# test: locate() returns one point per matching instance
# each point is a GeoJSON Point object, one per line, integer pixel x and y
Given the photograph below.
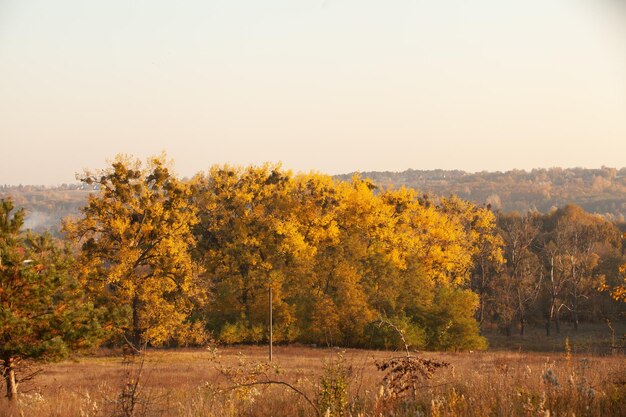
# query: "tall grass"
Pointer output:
{"type": "Point", "coordinates": [238, 382]}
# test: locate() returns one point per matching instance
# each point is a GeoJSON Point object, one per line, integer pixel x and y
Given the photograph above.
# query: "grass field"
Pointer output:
{"type": "Point", "coordinates": [238, 381]}
{"type": "Point", "coordinates": [591, 338]}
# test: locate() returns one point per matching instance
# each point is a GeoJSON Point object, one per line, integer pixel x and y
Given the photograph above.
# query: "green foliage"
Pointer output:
{"type": "Point", "coordinates": [43, 312]}
{"type": "Point", "coordinates": [239, 332]}
{"type": "Point", "coordinates": [450, 322]}
{"type": "Point", "coordinates": [384, 336]}
{"type": "Point", "coordinates": [10, 221]}
{"type": "Point", "coordinates": [333, 387]}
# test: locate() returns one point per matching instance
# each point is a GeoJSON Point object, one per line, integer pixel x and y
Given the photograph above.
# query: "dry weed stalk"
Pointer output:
{"type": "Point", "coordinates": [133, 400]}
{"type": "Point", "coordinates": [406, 374]}
{"type": "Point", "coordinates": [129, 402]}
{"type": "Point", "coordinates": [248, 375]}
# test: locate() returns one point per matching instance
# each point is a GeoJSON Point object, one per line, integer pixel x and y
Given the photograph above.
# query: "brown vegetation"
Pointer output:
{"type": "Point", "coordinates": [233, 382]}
{"type": "Point", "coordinates": [599, 191]}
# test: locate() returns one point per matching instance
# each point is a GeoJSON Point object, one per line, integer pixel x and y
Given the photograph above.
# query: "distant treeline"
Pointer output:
{"type": "Point", "coordinates": [599, 191]}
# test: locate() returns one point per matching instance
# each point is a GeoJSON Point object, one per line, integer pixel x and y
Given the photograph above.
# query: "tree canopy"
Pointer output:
{"type": "Point", "coordinates": [135, 240]}
{"type": "Point", "coordinates": [338, 255]}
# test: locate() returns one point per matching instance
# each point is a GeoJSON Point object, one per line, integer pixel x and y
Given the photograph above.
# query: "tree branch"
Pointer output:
{"type": "Point", "coordinates": [286, 384]}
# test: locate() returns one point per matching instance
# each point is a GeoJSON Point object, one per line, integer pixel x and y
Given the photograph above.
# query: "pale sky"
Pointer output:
{"type": "Point", "coordinates": [328, 85]}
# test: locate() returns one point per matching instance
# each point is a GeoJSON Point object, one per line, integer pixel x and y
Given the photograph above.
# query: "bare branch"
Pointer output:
{"type": "Point", "coordinates": [283, 383]}
{"type": "Point", "coordinates": [399, 331]}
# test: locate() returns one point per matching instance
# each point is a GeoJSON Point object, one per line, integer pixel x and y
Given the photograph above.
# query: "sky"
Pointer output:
{"type": "Point", "coordinates": [333, 86]}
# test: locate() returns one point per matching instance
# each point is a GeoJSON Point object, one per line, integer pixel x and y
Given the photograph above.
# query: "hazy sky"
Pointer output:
{"type": "Point", "coordinates": [327, 85]}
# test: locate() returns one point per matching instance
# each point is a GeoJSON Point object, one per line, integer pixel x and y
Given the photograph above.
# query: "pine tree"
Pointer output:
{"type": "Point", "coordinates": [43, 312]}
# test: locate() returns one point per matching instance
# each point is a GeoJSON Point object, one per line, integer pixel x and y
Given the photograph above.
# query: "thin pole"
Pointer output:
{"type": "Point", "coordinates": [271, 335]}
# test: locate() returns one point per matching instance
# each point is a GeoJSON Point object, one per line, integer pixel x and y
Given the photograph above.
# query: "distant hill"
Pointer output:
{"type": "Point", "coordinates": [601, 191]}
{"type": "Point", "coordinates": [46, 207]}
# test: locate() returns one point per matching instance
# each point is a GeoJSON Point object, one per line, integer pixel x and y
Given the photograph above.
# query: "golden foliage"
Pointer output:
{"type": "Point", "coordinates": [336, 254]}
{"type": "Point", "coordinates": [135, 236]}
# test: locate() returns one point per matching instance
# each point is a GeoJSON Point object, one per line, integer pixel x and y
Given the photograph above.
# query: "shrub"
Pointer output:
{"type": "Point", "coordinates": [450, 322]}
{"type": "Point", "coordinates": [387, 337]}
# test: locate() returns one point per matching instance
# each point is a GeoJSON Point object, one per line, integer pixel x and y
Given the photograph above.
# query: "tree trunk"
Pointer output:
{"type": "Point", "coordinates": [245, 293]}
{"type": "Point", "coordinates": [136, 332]}
{"type": "Point", "coordinates": [557, 322]}
{"type": "Point", "coordinates": [9, 378]}
{"type": "Point", "coordinates": [271, 324]}
{"type": "Point", "coordinates": [522, 323]}
{"type": "Point", "coordinates": [575, 300]}
{"type": "Point", "coordinates": [552, 298]}
{"type": "Point", "coordinates": [575, 309]}
{"type": "Point", "coordinates": [481, 311]}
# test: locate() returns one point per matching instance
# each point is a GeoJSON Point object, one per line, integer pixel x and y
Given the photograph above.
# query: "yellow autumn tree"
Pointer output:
{"type": "Point", "coordinates": [337, 256]}
{"type": "Point", "coordinates": [619, 292]}
{"type": "Point", "coordinates": [245, 241]}
{"type": "Point", "coordinates": [135, 238]}
{"type": "Point", "coordinates": [315, 200]}
{"type": "Point", "coordinates": [432, 250]}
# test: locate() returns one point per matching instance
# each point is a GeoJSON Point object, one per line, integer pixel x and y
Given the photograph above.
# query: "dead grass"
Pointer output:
{"type": "Point", "coordinates": [590, 338]}
{"type": "Point", "coordinates": [194, 383]}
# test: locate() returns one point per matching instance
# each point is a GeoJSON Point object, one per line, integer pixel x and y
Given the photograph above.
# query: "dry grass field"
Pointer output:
{"type": "Point", "coordinates": [238, 381]}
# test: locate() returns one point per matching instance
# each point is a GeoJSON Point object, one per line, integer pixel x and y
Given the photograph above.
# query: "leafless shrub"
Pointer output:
{"type": "Point", "coordinates": [133, 400]}
{"type": "Point", "coordinates": [406, 374]}
{"type": "Point", "coordinates": [247, 375]}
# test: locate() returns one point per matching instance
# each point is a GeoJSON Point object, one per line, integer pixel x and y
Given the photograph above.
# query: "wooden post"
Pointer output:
{"type": "Point", "coordinates": [271, 335]}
